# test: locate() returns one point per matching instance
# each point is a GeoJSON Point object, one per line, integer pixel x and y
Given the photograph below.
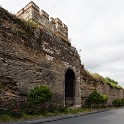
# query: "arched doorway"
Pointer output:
{"type": "Point", "coordinates": [69, 87]}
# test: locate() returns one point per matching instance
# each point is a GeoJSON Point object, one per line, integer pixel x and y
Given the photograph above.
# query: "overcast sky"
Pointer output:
{"type": "Point", "coordinates": [96, 27]}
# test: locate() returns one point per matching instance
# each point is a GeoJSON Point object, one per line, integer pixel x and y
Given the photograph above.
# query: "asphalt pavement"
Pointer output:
{"type": "Point", "coordinates": [106, 117]}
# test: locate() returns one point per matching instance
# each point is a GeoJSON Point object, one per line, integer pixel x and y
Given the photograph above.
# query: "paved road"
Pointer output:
{"type": "Point", "coordinates": [108, 117]}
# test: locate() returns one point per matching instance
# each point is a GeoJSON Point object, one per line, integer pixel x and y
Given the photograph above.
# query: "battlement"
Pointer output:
{"type": "Point", "coordinates": [28, 6]}
{"type": "Point", "coordinates": [32, 12]}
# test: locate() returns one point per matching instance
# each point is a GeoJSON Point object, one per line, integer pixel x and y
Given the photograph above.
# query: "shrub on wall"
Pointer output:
{"type": "Point", "coordinates": [38, 100]}
{"type": "Point", "coordinates": [40, 95]}
{"type": "Point", "coordinates": [104, 99]}
{"type": "Point", "coordinates": [96, 99]}
{"type": "Point", "coordinates": [118, 102]}
{"type": "Point", "coordinates": [112, 83]}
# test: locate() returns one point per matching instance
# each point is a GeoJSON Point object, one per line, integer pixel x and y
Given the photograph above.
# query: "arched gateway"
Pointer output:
{"type": "Point", "coordinates": [69, 87]}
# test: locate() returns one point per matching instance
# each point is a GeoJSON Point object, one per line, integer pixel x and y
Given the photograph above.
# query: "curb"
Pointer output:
{"type": "Point", "coordinates": [54, 118]}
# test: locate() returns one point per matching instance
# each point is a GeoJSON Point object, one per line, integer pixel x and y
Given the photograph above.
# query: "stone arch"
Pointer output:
{"type": "Point", "coordinates": [69, 87]}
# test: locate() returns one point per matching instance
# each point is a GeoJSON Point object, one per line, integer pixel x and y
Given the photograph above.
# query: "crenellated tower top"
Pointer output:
{"type": "Point", "coordinates": [32, 12]}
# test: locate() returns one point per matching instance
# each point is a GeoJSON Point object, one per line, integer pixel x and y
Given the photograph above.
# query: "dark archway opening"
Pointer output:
{"type": "Point", "coordinates": [69, 87]}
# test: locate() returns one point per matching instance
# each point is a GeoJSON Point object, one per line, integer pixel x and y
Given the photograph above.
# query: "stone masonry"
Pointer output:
{"type": "Point", "coordinates": [31, 56]}
{"type": "Point", "coordinates": [37, 51]}
{"type": "Point", "coordinates": [33, 13]}
{"type": "Point", "coordinates": [90, 84]}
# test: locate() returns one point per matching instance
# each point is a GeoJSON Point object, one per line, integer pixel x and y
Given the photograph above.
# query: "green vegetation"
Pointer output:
{"type": "Point", "coordinates": [40, 95]}
{"type": "Point", "coordinates": [118, 103]}
{"type": "Point", "coordinates": [97, 77]}
{"type": "Point", "coordinates": [106, 80]}
{"type": "Point", "coordinates": [95, 99]}
{"type": "Point", "coordinates": [112, 82]}
{"type": "Point", "coordinates": [32, 23]}
{"type": "Point", "coordinates": [36, 104]}
{"type": "Point", "coordinates": [58, 111]}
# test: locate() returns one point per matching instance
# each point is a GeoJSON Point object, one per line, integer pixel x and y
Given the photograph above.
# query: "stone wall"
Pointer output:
{"type": "Point", "coordinates": [90, 84]}
{"type": "Point", "coordinates": [31, 56]}
{"type": "Point", "coordinates": [32, 12]}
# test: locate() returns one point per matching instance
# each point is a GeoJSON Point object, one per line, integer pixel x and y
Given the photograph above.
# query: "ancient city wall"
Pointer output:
{"type": "Point", "coordinates": [90, 84]}
{"type": "Point", "coordinates": [33, 13]}
{"type": "Point", "coordinates": [31, 56]}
